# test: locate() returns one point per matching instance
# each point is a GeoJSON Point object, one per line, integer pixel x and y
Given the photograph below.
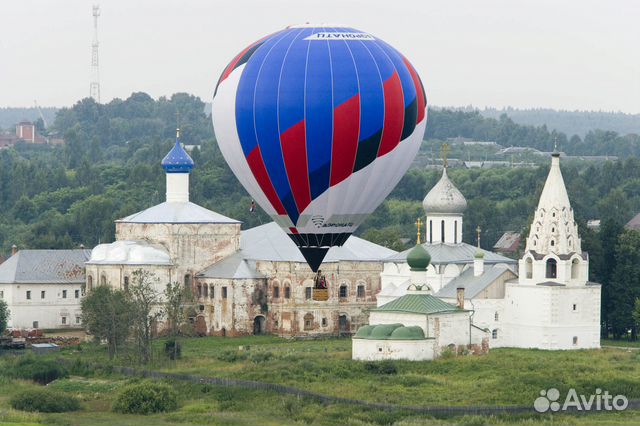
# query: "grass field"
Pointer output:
{"type": "Point", "coordinates": [503, 377]}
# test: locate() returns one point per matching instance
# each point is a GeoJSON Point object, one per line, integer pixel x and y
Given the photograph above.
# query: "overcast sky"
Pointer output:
{"type": "Point", "coordinates": [564, 54]}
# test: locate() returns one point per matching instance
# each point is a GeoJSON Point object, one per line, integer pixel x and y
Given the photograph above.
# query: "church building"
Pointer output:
{"type": "Point", "coordinates": [245, 281]}
{"type": "Point", "coordinates": [543, 301]}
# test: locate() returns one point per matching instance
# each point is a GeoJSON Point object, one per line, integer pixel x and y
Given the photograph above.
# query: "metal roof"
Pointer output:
{"type": "Point", "coordinates": [508, 242]}
{"type": "Point", "coordinates": [472, 285]}
{"type": "Point", "coordinates": [177, 212]}
{"type": "Point", "coordinates": [232, 267]}
{"type": "Point", "coordinates": [45, 267]}
{"type": "Point", "coordinates": [443, 253]}
{"type": "Point", "coordinates": [418, 304]}
{"type": "Point", "coordinates": [269, 242]}
{"type": "Point", "coordinates": [634, 223]}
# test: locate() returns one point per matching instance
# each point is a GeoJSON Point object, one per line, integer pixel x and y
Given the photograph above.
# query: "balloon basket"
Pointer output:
{"type": "Point", "coordinates": [320, 294]}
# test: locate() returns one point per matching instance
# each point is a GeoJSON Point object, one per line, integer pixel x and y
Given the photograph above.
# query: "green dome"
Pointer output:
{"type": "Point", "coordinates": [479, 254]}
{"type": "Point", "coordinates": [383, 332]}
{"type": "Point", "coordinates": [408, 333]}
{"type": "Point", "coordinates": [418, 258]}
{"type": "Point", "coordinates": [364, 331]}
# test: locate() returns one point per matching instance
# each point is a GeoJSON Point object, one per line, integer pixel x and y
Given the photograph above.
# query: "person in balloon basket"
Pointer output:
{"type": "Point", "coordinates": [321, 281]}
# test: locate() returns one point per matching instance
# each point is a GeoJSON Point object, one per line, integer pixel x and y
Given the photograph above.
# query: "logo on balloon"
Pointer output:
{"type": "Point", "coordinates": [340, 36]}
{"type": "Point", "coordinates": [318, 221]}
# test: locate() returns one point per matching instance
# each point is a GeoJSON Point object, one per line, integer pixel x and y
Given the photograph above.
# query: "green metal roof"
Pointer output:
{"type": "Point", "coordinates": [408, 333]}
{"type": "Point", "coordinates": [418, 304]}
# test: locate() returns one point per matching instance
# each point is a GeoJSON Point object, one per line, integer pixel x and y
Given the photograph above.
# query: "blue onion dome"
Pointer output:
{"type": "Point", "coordinates": [177, 160]}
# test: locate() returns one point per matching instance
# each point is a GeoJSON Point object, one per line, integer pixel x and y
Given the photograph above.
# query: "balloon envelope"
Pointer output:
{"type": "Point", "coordinates": [319, 124]}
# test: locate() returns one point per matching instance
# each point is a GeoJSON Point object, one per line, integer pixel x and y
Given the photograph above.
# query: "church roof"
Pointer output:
{"type": "Point", "coordinates": [418, 304]}
{"type": "Point", "coordinates": [444, 197]}
{"type": "Point", "coordinates": [177, 160]}
{"type": "Point", "coordinates": [45, 267]}
{"type": "Point", "coordinates": [130, 253]}
{"type": "Point", "coordinates": [177, 212]}
{"type": "Point", "coordinates": [232, 267]}
{"type": "Point", "coordinates": [443, 253]}
{"type": "Point", "coordinates": [472, 285]}
{"type": "Point", "coordinates": [554, 194]}
{"type": "Point", "coordinates": [269, 242]}
{"type": "Point", "coordinates": [634, 223]}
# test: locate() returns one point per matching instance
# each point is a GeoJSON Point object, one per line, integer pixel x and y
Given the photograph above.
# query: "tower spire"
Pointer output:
{"type": "Point", "coordinates": [94, 86]}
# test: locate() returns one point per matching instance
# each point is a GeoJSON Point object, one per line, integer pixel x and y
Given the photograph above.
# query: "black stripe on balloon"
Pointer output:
{"type": "Point", "coordinates": [367, 151]}
{"type": "Point", "coordinates": [320, 240]}
{"type": "Point", "coordinates": [241, 61]}
{"type": "Point", "coordinates": [410, 117]}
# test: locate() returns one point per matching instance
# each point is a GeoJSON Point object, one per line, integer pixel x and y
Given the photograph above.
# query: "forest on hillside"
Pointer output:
{"type": "Point", "coordinates": [61, 197]}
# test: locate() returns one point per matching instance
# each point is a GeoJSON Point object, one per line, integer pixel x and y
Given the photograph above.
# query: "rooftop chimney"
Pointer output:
{"type": "Point", "coordinates": [14, 250]}
{"type": "Point", "coordinates": [460, 297]}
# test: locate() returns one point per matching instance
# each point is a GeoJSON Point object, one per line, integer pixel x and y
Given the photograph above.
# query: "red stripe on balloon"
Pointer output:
{"type": "Point", "coordinates": [294, 150]}
{"type": "Point", "coordinates": [346, 129]}
{"type": "Point", "coordinates": [393, 114]}
{"type": "Point", "coordinates": [422, 102]}
{"type": "Point", "coordinates": [256, 164]}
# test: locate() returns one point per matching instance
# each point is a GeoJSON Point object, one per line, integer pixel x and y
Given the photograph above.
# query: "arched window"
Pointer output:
{"type": "Point", "coordinates": [199, 291]}
{"type": "Point", "coordinates": [287, 292]}
{"type": "Point", "coordinates": [552, 268]}
{"type": "Point", "coordinates": [308, 322]}
{"type": "Point", "coordinates": [187, 281]}
{"type": "Point", "coordinates": [529, 267]}
{"type": "Point", "coordinates": [575, 269]}
{"type": "Point", "coordinates": [496, 317]}
{"type": "Point", "coordinates": [360, 293]}
{"type": "Point", "coordinates": [442, 231]}
{"type": "Point", "coordinates": [126, 283]}
{"type": "Point", "coordinates": [212, 291]}
{"type": "Point", "coordinates": [494, 333]}
{"type": "Point", "coordinates": [90, 282]}
{"type": "Point", "coordinates": [103, 280]}
{"type": "Point", "coordinates": [205, 289]}
{"type": "Point", "coordinates": [276, 292]}
{"type": "Point", "coordinates": [553, 243]}
{"type": "Point", "coordinates": [455, 232]}
{"type": "Point", "coordinates": [430, 231]}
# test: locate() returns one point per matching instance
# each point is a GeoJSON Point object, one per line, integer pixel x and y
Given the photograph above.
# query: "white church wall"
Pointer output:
{"type": "Point", "coordinates": [451, 329]}
{"type": "Point", "coordinates": [378, 350]}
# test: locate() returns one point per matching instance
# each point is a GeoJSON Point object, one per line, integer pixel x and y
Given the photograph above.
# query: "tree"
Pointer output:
{"type": "Point", "coordinates": [4, 316]}
{"type": "Point", "coordinates": [625, 285]}
{"type": "Point", "coordinates": [176, 298]}
{"type": "Point", "coordinates": [147, 310]}
{"type": "Point", "coordinates": [636, 313]}
{"type": "Point", "coordinates": [108, 315]}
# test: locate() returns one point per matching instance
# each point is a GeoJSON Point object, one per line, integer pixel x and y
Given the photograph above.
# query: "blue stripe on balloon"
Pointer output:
{"type": "Point", "coordinates": [319, 116]}
{"type": "Point", "coordinates": [345, 78]}
{"type": "Point", "coordinates": [385, 66]}
{"type": "Point", "coordinates": [266, 122]}
{"type": "Point", "coordinates": [408, 87]}
{"type": "Point", "coordinates": [245, 95]}
{"type": "Point", "coordinates": [291, 92]}
{"type": "Point", "coordinates": [371, 94]}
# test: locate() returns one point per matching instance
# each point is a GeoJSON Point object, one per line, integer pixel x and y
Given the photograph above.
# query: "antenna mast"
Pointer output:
{"type": "Point", "coordinates": [94, 87]}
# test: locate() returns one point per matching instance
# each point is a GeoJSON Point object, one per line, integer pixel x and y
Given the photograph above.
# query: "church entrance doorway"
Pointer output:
{"type": "Point", "coordinates": [343, 324]}
{"type": "Point", "coordinates": [258, 325]}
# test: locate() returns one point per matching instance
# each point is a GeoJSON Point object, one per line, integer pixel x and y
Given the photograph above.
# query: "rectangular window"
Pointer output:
{"type": "Point", "coordinates": [35, 324]}
{"type": "Point", "coordinates": [287, 292]}
{"type": "Point", "coordinates": [575, 340]}
{"type": "Point", "coordinates": [64, 294]}
{"type": "Point", "coordinates": [360, 291]}
{"type": "Point", "coordinates": [43, 292]}
{"type": "Point", "coordinates": [224, 292]}
{"type": "Point", "coordinates": [307, 292]}
{"type": "Point", "coordinates": [324, 322]}
{"type": "Point", "coordinates": [276, 292]}
{"type": "Point", "coordinates": [212, 292]}
{"type": "Point", "coordinates": [77, 294]}
{"type": "Point", "coordinates": [575, 307]}
{"type": "Point", "coordinates": [343, 291]}
{"type": "Point", "coordinates": [64, 320]}
{"type": "Point", "coordinates": [28, 294]}
{"type": "Point", "coordinates": [78, 319]}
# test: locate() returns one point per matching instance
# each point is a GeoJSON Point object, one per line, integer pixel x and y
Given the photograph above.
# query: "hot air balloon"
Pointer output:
{"type": "Point", "coordinates": [319, 124]}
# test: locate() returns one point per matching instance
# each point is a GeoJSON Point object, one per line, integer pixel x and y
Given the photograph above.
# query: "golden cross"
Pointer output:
{"type": "Point", "coordinates": [419, 226]}
{"type": "Point", "coordinates": [444, 150]}
{"type": "Point", "coordinates": [478, 230]}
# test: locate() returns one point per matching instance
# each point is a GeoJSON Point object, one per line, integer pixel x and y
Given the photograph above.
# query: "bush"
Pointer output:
{"type": "Point", "coordinates": [172, 349]}
{"type": "Point", "coordinates": [44, 401]}
{"type": "Point", "coordinates": [381, 367]}
{"type": "Point", "coordinates": [39, 370]}
{"type": "Point", "coordinates": [231, 355]}
{"type": "Point", "coordinates": [146, 398]}
{"type": "Point", "coordinates": [259, 357]}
